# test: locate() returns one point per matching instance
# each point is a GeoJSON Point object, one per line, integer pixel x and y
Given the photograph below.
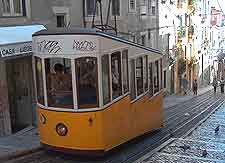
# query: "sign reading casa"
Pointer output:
{"type": "Point", "coordinates": [16, 49]}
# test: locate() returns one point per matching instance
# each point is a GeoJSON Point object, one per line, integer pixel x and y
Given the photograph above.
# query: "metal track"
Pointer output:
{"type": "Point", "coordinates": [176, 125]}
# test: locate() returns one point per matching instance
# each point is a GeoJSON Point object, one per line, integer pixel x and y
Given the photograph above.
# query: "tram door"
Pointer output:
{"type": "Point", "coordinates": [20, 86]}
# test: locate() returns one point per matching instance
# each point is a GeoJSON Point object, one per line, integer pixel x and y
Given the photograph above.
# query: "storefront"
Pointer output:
{"type": "Point", "coordinates": [17, 93]}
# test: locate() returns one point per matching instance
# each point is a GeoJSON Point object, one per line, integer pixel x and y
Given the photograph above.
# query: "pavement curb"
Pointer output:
{"type": "Point", "coordinates": [19, 153]}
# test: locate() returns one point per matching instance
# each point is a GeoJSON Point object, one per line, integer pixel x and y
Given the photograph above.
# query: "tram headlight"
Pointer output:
{"type": "Point", "coordinates": [61, 129]}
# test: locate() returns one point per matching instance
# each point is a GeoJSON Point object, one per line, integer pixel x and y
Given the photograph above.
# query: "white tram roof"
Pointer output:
{"type": "Point", "coordinates": [106, 44]}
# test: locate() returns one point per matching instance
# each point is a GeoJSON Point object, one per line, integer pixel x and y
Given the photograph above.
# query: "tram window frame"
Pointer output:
{"type": "Point", "coordinates": [78, 83]}
{"type": "Point", "coordinates": [39, 81]}
{"type": "Point", "coordinates": [55, 86]}
{"type": "Point", "coordinates": [125, 71]}
{"type": "Point", "coordinates": [105, 79]}
{"type": "Point", "coordinates": [156, 77]}
{"type": "Point", "coordinates": [114, 76]}
{"type": "Point", "coordinates": [133, 79]}
{"type": "Point", "coordinates": [139, 76]}
{"type": "Point", "coordinates": [145, 73]}
{"type": "Point", "coordinates": [151, 85]}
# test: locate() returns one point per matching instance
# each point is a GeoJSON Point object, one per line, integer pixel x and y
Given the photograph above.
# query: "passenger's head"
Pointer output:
{"type": "Point", "coordinates": [58, 67]}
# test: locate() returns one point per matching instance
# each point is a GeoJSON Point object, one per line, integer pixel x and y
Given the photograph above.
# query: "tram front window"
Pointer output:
{"type": "Point", "coordinates": [87, 82]}
{"type": "Point", "coordinates": [59, 82]}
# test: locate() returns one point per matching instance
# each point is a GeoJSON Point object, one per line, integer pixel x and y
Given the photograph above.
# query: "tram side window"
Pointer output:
{"type": "Point", "coordinates": [132, 79]}
{"type": "Point", "coordinates": [105, 79]}
{"type": "Point", "coordinates": [125, 71]}
{"type": "Point", "coordinates": [59, 82]}
{"type": "Point", "coordinates": [150, 80]}
{"type": "Point", "coordinates": [145, 72]}
{"type": "Point", "coordinates": [156, 77]}
{"type": "Point", "coordinates": [139, 75]}
{"type": "Point", "coordinates": [116, 75]}
{"type": "Point", "coordinates": [87, 82]}
{"type": "Point", "coordinates": [39, 80]}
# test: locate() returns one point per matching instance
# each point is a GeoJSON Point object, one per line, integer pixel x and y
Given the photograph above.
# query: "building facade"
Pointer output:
{"type": "Point", "coordinates": [168, 25]}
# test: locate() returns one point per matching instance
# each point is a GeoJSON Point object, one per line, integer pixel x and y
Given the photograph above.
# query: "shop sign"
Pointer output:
{"type": "Point", "coordinates": [64, 45]}
{"type": "Point", "coordinates": [15, 49]}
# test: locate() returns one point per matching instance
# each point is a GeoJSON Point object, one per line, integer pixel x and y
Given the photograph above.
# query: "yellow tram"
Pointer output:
{"type": "Point", "coordinates": [95, 91]}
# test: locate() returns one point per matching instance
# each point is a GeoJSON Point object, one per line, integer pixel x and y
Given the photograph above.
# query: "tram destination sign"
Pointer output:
{"type": "Point", "coordinates": [15, 49]}
{"type": "Point", "coordinates": [65, 45]}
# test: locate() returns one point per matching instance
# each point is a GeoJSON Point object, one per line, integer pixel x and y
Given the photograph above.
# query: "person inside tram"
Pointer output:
{"type": "Point", "coordinates": [60, 85]}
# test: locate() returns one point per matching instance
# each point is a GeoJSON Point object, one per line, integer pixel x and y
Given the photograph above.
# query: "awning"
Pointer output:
{"type": "Point", "coordinates": [17, 40]}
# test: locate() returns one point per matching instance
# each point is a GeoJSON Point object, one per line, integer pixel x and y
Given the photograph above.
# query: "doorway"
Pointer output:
{"type": "Point", "coordinates": [21, 92]}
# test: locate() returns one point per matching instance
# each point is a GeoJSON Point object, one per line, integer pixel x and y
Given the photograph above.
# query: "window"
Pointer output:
{"type": "Point", "coordinates": [90, 7]}
{"type": "Point", "coordinates": [39, 81]}
{"type": "Point", "coordinates": [13, 7]}
{"type": "Point", "coordinates": [151, 80]}
{"type": "Point", "coordinates": [143, 40]}
{"type": "Point", "coordinates": [156, 77]}
{"type": "Point", "coordinates": [87, 82]}
{"type": "Point", "coordinates": [116, 75]}
{"type": "Point", "coordinates": [61, 21]}
{"type": "Point", "coordinates": [132, 79]}
{"type": "Point", "coordinates": [105, 79]}
{"type": "Point", "coordinates": [132, 5]}
{"type": "Point", "coordinates": [164, 79]}
{"type": "Point", "coordinates": [6, 6]}
{"type": "Point", "coordinates": [153, 10]}
{"type": "Point", "coordinates": [125, 71]}
{"type": "Point", "coordinates": [145, 72]}
{"type": "Point", "coordinates": [161, 77]}
{"type": "Point", "coordinates": [17, 6]}
{"type": "Point", "coordinates": [139, 75]}
{"type": "Point", "coordinates": [59, 82]}
{"type": "Point", "coordinates": [149, 34]}
{"type": "Point", "coordinates": [116, 7]}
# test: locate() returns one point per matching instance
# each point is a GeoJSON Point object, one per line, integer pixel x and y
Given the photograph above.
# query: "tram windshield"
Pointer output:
{"type": "Point", "coordinates": [59, 82]}
{"type": "Point", "coordinates": [87, 82]}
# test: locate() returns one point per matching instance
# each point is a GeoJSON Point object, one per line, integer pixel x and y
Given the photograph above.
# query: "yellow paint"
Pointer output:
{"type": "Point", "coordinates": [111, 127]}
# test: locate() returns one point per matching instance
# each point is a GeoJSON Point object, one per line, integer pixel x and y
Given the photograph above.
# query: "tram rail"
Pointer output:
{"type": "Point", "coordinates": [186, 109]}
{"type": "Point", "coordinates": [174, 128]}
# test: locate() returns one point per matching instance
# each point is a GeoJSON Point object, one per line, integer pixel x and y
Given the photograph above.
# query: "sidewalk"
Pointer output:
{"type": "Point", "coordinates": [173, 100]}
{"type": "Point", "coordinates": [27, 140]}
{"type": "Point", "coordinates": [21, 143]}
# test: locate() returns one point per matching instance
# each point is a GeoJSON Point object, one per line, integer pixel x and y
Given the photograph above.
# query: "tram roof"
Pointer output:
{"type": "Point", "coordinates": [88, 31]}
